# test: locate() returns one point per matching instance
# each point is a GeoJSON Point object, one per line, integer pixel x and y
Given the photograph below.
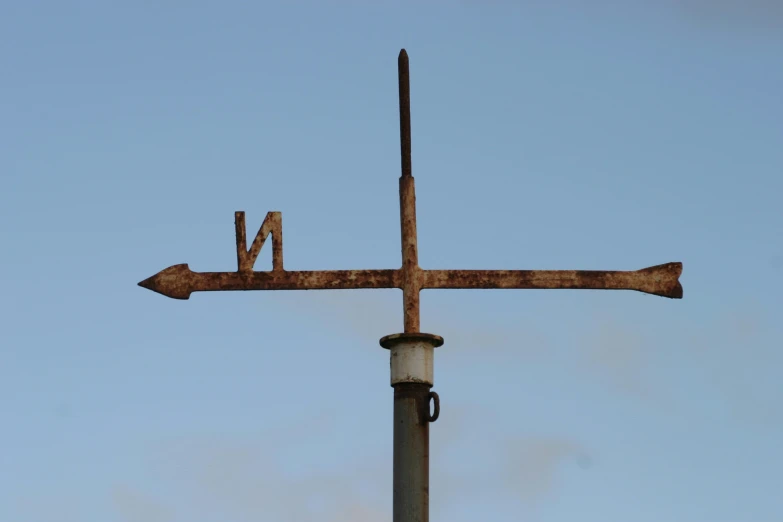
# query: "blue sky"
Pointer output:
{"type": "Point", "coordinates": [552, 135]}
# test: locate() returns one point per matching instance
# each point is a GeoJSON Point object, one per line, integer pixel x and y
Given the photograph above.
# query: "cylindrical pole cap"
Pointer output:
{"type": "Point", "coordinates": [411, 357]}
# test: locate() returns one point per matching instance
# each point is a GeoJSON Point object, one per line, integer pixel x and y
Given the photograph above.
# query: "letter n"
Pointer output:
{"type": "Point", "coordinates": [273, 224]}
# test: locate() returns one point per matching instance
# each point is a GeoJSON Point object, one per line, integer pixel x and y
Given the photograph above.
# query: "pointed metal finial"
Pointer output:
{"type": "Point", "coordinates": [405, 112]}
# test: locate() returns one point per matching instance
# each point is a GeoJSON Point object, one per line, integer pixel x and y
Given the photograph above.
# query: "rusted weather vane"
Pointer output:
{"type": "Point", "coordinates": [411, 352]}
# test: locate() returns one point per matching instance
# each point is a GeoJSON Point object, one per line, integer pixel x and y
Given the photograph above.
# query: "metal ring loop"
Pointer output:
{"type": "Point", "coordinates": [434, 397]}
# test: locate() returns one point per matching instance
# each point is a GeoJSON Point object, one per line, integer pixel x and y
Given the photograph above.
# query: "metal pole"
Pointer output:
{"type": "Point", "coordinates": [410, 254]}
{"type": "Point", "coordinates": [411, 361]}
{"type": "Point", "coordinates": [411, 453]}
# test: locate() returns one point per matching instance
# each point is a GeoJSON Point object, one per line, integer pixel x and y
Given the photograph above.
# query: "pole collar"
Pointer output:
{"type": "Point", "coordinates": [411, 357]}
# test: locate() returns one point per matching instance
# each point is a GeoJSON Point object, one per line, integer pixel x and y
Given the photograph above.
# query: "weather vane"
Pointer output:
{"type": "Point", "coordinates": [411, 352]}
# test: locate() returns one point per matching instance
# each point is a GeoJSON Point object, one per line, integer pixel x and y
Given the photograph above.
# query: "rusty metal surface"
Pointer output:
{"type": "Point", "coordinates": [410, 256]}
{"type": "Point", "coordinates": [658, 280]}
{"type": "Point", "coordinates": [273, 224]}
{"type": "Point", "coordinates": [179, 281]}
{"type": "Point", "coordinates": [403, 76]}
{"type": "Point", "coordinates": [410, 253]}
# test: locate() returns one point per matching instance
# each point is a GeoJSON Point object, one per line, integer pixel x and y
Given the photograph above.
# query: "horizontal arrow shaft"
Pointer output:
{"type": "Point", "coordinates": [179, 281]}
{"type": "Point", "coordinates": [660, 280]}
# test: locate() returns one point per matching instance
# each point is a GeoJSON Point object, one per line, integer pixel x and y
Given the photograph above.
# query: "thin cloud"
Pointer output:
{"type": "Point", "coordinates": [533, 464]}
{"type": "Point", "coordinates": [360, 315]}
{"type": "Point", "coordinates": [231, 479]}
{"type": "Point", "coordinates": [134, 506]}
{"type": "Point", "coordinates": [619, 355]}
{"type": "Point", "coordinates": [744, 367]}
{"type": "Point", "coordinates": [731, 357]}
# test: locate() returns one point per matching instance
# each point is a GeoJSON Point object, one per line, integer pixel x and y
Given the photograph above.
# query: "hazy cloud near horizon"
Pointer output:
{"type": "Point", "coordinates": [136, 506]}
{"type": "Point", "coordinates": [533, 463]}
{"type": "Point", "coordinates": [226, 477]}
{"type": "Point", "coordinates": [611, 352]}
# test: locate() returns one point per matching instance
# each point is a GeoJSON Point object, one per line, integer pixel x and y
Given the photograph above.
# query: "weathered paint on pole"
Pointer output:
{"type": "Point", "coordinates": [412, 357]}
{"type": "Point", "coordinates": [412, 377]}
{"type": "Point", "coordinates": [411, 470]}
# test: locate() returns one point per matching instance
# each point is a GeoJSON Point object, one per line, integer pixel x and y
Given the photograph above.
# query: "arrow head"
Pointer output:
{"type": "Point", "coordinates": [174, 281]}
{"type": "Point", "coordinates": [662, 280]}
